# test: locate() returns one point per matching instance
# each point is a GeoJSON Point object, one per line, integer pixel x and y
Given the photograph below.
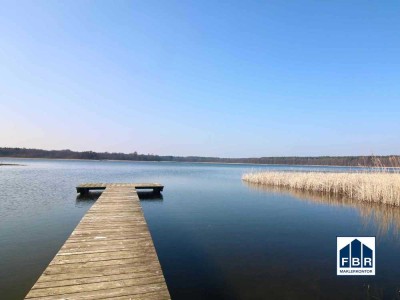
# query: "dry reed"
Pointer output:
{"type": "Point", "coordinates": [379, 187]}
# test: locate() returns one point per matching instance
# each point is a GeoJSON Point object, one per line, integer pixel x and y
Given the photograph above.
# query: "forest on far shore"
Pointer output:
{"type": "Point", "coordinates": [373, 161]}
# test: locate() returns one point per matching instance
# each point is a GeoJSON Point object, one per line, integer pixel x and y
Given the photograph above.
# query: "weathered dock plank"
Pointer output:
{"type": "Point", "coordinates": [110, 254]}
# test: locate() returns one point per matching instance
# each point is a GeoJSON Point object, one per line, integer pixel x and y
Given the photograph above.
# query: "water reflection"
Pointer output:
{"type": "Point", "coordinates": [150, 196]}
{"type": "Point", "coordinates": [386, 217]}
{"type": "Point", "coordinates": [94, 195]}
{"type": "Point", "coordinates": [88, 197]}
{"type": "Point", "coordinates": [215, 238]}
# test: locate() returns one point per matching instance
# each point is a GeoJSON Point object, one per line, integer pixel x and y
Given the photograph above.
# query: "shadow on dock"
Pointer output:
{"type": "Point", "coordinates": [387, 217]}
{"type": "Point", "coordinates": [143, 196]}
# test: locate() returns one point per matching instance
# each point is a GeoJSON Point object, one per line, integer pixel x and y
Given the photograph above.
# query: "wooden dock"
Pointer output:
{"type": "Point", "coordinates": [86, 187]}
{"type": "Point", "coordinates": [109, 255]}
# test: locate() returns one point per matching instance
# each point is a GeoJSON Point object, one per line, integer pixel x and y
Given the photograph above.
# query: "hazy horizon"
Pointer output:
{"type": "Point", "coordinates": [194, 155]}
{"type": "Point", "coordinates": [234, 79]}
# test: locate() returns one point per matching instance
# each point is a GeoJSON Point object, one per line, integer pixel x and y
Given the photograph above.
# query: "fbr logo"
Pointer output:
{"type": "Point", "coordinates": [355, 255]}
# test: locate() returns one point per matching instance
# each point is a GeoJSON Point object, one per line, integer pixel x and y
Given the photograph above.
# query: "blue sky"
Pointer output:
{"type": "Point", "coordinates": [211, 78]}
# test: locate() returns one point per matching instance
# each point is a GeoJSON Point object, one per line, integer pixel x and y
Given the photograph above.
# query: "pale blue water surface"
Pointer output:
{"type": "Point", "coordinates": [216, 237]}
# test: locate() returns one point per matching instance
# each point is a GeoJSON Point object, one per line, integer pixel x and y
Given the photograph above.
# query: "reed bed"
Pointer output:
{"type": "Point", "coordinates": [378, 187]}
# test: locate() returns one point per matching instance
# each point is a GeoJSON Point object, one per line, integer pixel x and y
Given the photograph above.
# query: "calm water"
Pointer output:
{"type": "Point", "coordinates": [216, 237]}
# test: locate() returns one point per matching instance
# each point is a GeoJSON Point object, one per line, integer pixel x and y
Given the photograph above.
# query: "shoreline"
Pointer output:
{"type": "Point", "coordinates": [190, 162]}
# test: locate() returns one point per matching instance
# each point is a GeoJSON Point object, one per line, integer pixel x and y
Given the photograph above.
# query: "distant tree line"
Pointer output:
{"type": "Point", "coordinates": [68, 154]}
{"type": "Point", "coordinates": [375, 161]}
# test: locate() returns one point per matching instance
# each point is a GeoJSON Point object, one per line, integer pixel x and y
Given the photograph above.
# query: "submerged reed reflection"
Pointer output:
{"type": "Point", "coordinates": [385, 216]}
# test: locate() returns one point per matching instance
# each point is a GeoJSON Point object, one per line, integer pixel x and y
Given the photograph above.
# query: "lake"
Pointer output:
{"type": "Point", "coordinates": [216, 237]}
